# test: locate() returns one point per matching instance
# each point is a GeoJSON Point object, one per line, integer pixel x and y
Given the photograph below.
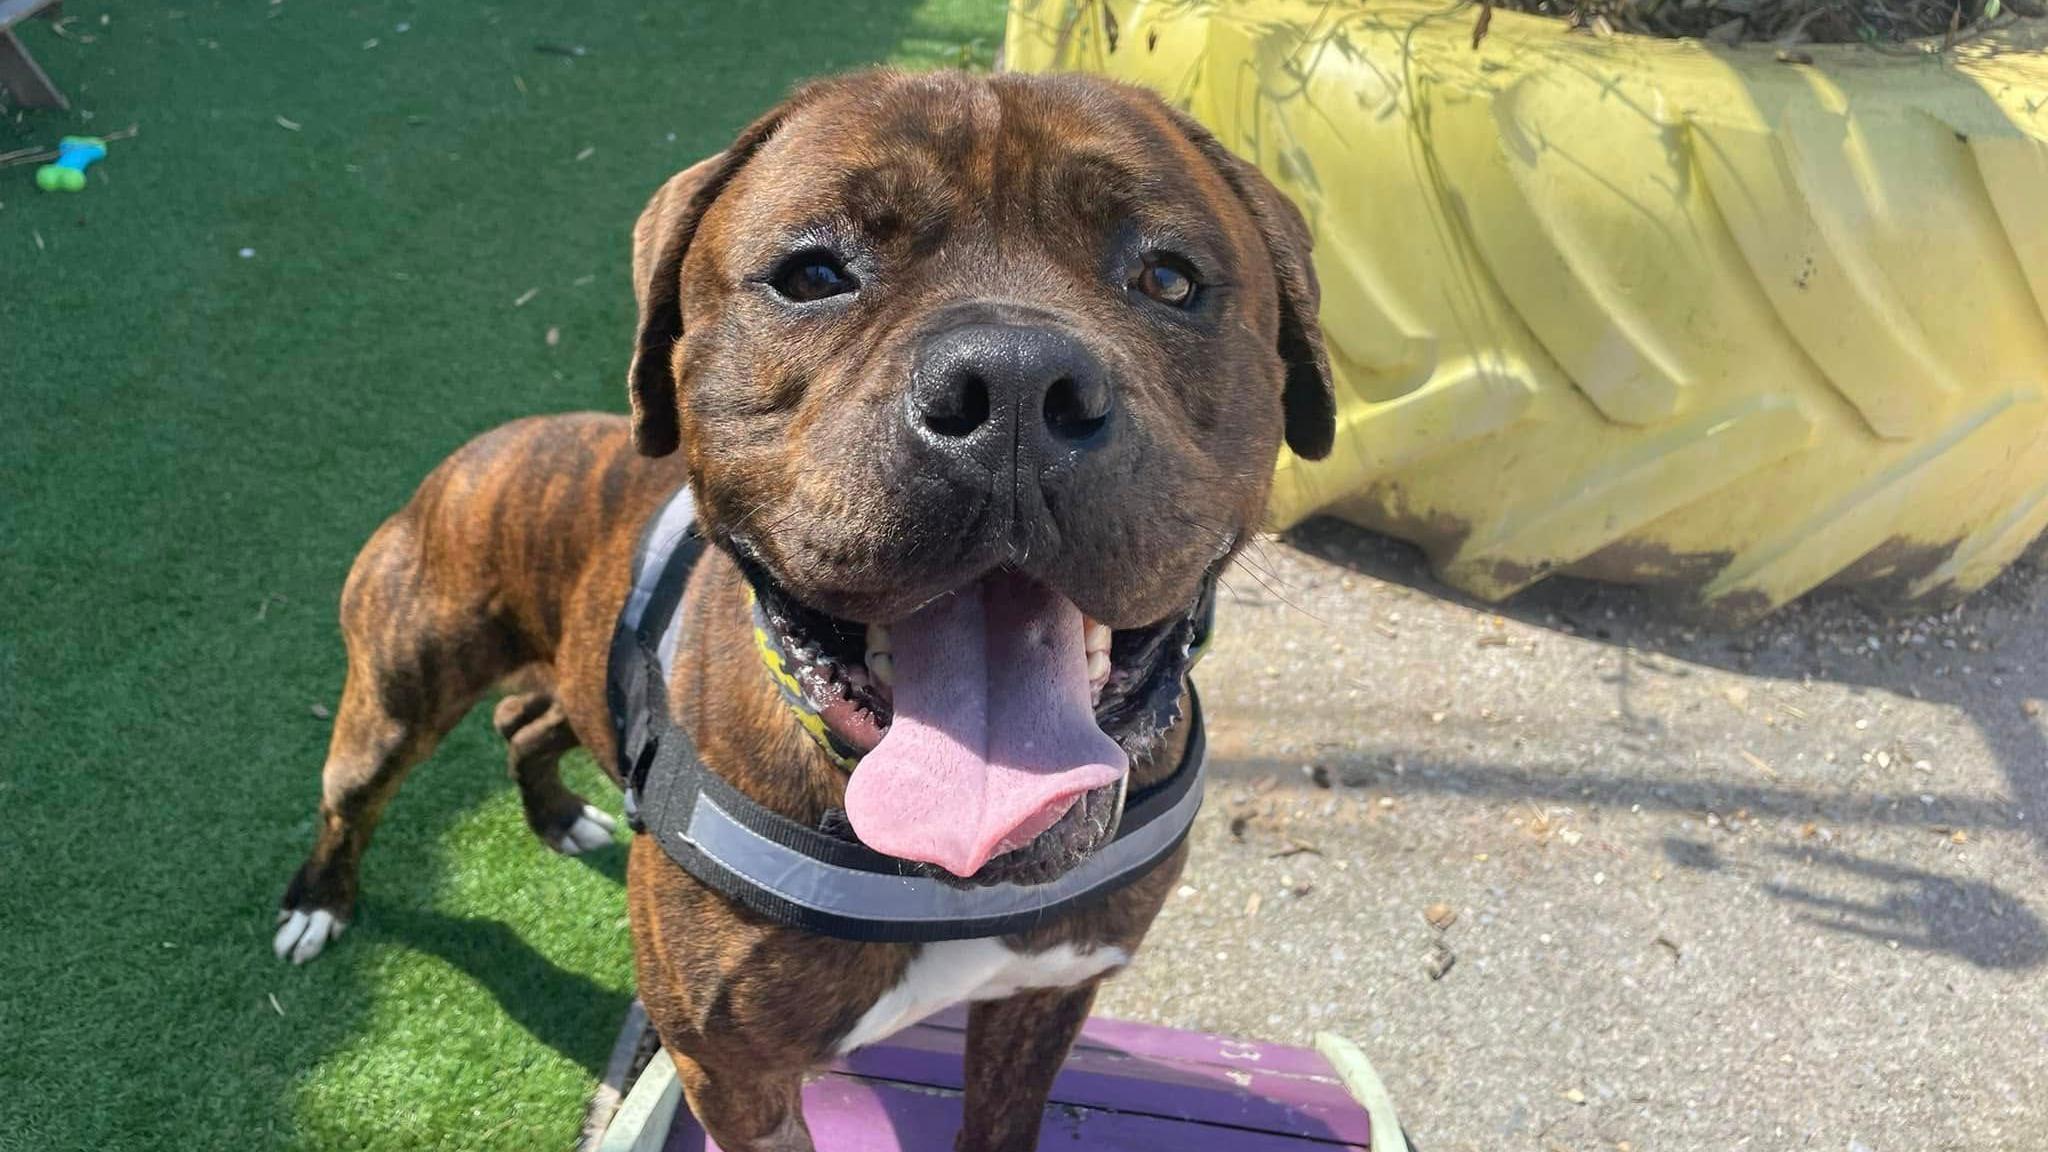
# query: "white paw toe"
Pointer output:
{"type": "Point", "coordinates": [591, 831]}
{"type": "Point", "coordinates": [302, 934]}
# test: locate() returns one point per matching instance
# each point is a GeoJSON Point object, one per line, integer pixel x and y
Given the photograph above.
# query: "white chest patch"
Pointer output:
{"type": "Point", "coordinates": [957, 971]}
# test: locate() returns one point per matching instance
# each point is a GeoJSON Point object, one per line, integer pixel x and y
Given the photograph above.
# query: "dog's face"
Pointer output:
{"type": "Point", "coordinates": [981, 380]}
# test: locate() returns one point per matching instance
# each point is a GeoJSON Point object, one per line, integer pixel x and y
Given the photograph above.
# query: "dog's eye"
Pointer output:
{"type": "Point", "coordinates": [812, 275]}
{"type": "Point", "coordinates": [1168, 280]}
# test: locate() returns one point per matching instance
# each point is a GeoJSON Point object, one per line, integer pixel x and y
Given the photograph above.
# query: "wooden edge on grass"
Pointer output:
{"type": "Point", "coordinates": [643, 1121]}
{"type": "Point", "coordinates": [629, 1054]}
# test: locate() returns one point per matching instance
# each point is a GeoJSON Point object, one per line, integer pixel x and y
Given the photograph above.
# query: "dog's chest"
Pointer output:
{"type": "Point", "coordinates": [958, 971]}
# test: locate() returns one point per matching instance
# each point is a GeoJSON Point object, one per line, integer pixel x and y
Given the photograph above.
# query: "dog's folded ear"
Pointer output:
{"type": "Point", "coordinates": [1308, 402]}
{"type": "Point", "coordinates": [661, 239]}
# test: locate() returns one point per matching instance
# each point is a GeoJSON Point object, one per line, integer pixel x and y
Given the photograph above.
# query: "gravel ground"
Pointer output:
{"type": "Point", "coordinates": [1578, 875]}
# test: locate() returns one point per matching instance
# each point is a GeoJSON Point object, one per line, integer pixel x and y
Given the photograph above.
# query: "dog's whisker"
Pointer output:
{"type": "Point", "coordinates": [1223, 536]}
{"type": "Point", "coordinates": [1249, 544]}
{"type": "Point", "coordinates": [1271, 590]}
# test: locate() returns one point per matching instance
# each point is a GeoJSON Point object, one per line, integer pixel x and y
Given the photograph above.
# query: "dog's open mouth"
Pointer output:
{"type": "Point", "coordinates": [995, 725]}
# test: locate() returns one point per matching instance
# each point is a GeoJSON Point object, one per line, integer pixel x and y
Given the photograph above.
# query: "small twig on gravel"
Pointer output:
{"type": "Point", "coordinates": [1295, 848]}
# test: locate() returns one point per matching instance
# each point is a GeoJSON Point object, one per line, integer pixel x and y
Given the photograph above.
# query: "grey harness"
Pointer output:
{"type": "Point", "coordinates": [803, 877]}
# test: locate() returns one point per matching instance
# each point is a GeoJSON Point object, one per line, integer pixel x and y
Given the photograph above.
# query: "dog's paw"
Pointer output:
{"type": "Point", "coordinates": [592, 830]}
{"type": "Point", "coordinates": [301, 933]}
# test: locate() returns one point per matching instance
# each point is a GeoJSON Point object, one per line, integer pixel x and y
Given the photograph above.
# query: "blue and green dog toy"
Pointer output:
{"type": "Point", "coordinates": [74, 155]}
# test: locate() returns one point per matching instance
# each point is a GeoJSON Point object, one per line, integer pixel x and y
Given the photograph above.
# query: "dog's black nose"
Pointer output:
{"type": "Point", "coordinates": [986, 391]}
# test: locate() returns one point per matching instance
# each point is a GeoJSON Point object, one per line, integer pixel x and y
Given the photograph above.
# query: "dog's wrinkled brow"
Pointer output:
{"type": "Point", "coordinates": [900, 201]}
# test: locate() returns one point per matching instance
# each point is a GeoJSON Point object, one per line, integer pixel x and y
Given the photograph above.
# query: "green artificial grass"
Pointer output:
{"type": "Point", "coordinates": [193, 444]}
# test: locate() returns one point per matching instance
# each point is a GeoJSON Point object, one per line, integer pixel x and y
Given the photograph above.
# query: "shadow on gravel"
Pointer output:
{"type": "Point", "coordinates": [1927, 912]}
{"type": "Point", "coordinates": [1987, 658]}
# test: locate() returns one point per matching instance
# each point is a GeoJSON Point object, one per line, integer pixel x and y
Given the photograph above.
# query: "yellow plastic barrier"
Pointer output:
{"type": "Point", "coordinates": [1642, 310]}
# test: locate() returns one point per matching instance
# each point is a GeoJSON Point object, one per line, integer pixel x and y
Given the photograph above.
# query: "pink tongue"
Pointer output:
{"type": "Point", "coordinates": [994, 736]}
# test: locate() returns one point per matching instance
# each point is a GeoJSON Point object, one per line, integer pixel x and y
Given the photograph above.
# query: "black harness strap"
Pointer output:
{"type": "Point", "coordinates": [801, 877]}
{"type": "Point", "coordinates": [650, 620]}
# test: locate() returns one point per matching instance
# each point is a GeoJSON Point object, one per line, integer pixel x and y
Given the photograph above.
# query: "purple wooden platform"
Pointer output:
{"type": "Point", "coordinates": [1126, 1088]}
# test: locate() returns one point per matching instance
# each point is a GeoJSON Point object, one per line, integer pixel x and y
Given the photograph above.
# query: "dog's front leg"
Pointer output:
{"type": "Point", "coordinates": [746, 1109]}
{"type": "Point", "coordinates": [1014, 1049]}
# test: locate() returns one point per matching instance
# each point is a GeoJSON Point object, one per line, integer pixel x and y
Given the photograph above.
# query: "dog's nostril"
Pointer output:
{"type": "Point", "coordinates": [982, 389]}
{"type": "Point", "coordinates": [958, 408]}
{"type": "Point", "coordinates": [1075, 411]}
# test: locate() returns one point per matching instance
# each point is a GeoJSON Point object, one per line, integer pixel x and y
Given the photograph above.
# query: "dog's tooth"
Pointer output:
{"type": "Point", "coordinates": [1098, 666]}
{"type": "Point", "coordinates": [1095, 637]}
{"type": "Point", "coordinates": [878, 638]}
{"type": "Point", "coordinates": [883, 666]}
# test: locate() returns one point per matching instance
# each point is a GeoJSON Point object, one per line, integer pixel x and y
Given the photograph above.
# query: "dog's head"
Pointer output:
{"type": "Point", "coordinates": [981, 381]}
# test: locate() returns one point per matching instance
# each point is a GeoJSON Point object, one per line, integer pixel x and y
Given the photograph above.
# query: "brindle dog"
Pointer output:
{"type": "Point", "coordinates": [997, 352]}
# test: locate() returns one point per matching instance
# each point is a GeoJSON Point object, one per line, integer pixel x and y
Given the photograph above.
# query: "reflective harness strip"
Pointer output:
{"type": "Point", "coordinates": [800, 877]}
